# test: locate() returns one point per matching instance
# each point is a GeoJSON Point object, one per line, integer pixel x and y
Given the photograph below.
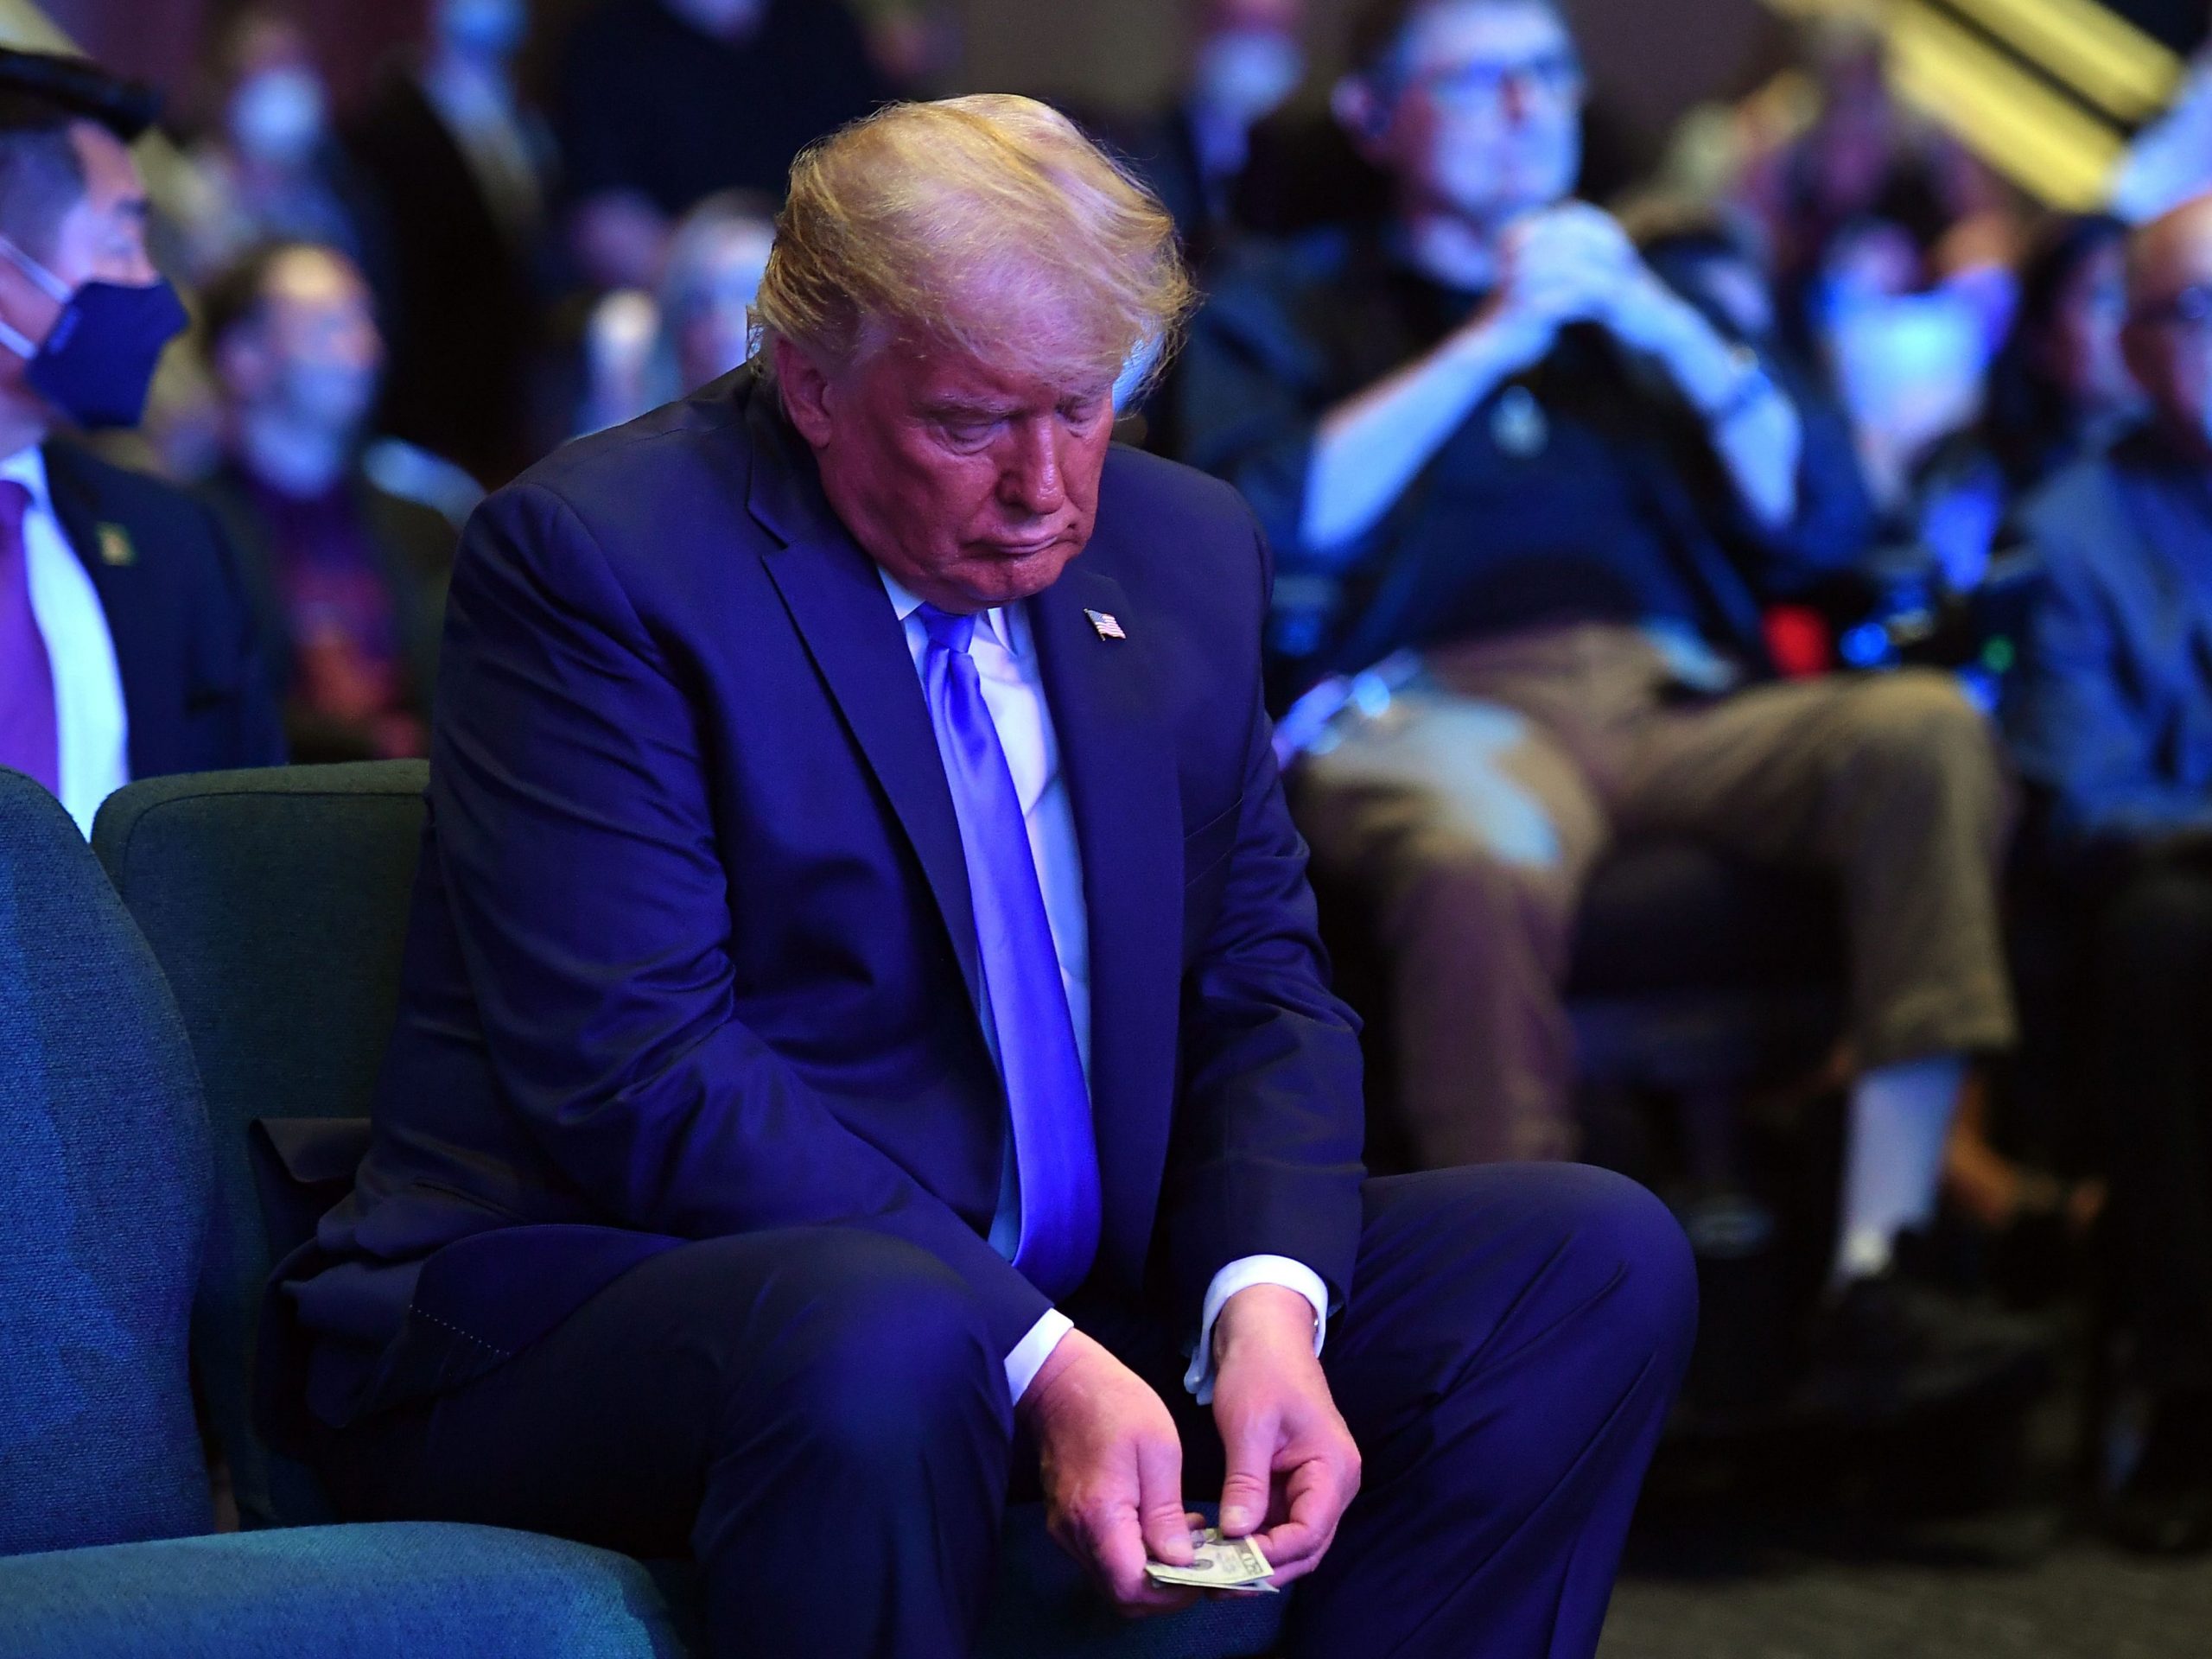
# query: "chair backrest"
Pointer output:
{"type": "Point", "coordinates": [277, 902]}
{"type": "Point", "coordinates": [103, 1200]}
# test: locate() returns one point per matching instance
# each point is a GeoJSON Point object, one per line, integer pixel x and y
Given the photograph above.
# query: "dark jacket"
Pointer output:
{"type": "Point", "coordinates": [693, 953]}
{"type": "Point", "coordinates": [415, 544]}
{"type": "Point", "coordinates": [648, 103]}
{"type": "Point", "coordinates": [461, 317]}
{"type": "Point", "coordinates": [195, 686]}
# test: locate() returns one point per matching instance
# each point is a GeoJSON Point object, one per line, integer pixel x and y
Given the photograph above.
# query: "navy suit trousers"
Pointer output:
{"type": "Point", "coordinates": [820, 1418]}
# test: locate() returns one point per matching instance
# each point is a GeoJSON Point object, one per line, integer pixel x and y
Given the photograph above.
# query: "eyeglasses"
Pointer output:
{"type": "Point", "coordinates": [1558, 76]}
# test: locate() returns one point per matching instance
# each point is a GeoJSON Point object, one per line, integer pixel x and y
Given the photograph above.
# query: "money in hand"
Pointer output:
{"type": "Point", "coordinates": [1217, 1563]}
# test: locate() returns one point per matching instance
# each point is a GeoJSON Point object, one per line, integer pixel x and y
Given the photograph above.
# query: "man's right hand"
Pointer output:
{"type": "Point", "coordinates": [1113, 1473]}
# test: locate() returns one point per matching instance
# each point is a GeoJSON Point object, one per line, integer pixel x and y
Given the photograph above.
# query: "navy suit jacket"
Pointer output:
{"type": "Point", "coordinates": [195, 692]}
{"type": "Point", "coordinates": [693, 954]}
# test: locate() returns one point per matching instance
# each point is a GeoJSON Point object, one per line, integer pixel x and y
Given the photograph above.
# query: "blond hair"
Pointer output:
{"type": "Point", "coordinates": [990, 223]}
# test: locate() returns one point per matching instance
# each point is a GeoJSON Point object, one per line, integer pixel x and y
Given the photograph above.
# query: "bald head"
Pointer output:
{"type": "Point", "coordinates": [2169, 335]}
{"type": "Point", "coordinates": [2171, 254]}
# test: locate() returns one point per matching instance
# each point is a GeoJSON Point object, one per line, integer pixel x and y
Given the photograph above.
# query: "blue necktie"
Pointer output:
{"type": "Point", "coordinates": [1054, 1156]}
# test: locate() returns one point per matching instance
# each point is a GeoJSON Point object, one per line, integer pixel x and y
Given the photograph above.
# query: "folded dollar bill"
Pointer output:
{"type": "Point", "coordinates": [1217, 1563]}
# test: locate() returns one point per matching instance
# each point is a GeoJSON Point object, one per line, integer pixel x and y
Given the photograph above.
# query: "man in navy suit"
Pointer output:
{"type": "Point", "coordinates": [864, 1049]}
{"type": "Point", "coordinates": [127, 646]}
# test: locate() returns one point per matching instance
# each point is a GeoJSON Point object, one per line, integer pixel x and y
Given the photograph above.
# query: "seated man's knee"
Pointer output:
{"type": "Point", "coordinates": [1466, 885]}
{"type": "Point", "coordinates": [1599, 1249]}
{"type": "Point", "coordinates": [878, 1347]}
{"type": "Point", "coordinates": [1614, 1233]}
{"type": "Point", "coordinates": [1921, 719]}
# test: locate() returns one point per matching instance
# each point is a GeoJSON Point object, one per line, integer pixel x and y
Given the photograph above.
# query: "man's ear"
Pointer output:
{"type": "Point", "coordinates": [1365, 116]}
{"type": "Point", "coordinates": [807, 393]}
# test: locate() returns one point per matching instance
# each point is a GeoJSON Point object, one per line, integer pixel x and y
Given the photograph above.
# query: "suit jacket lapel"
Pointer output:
{"type": "Point", "coordinates": [133, 624]}
{"type": "Point", "coordinates": [837, 602]}
{"type": "Point", "coordinates": [1118, 759]}
{"type": "Point", "coordinates": [2151, 521]}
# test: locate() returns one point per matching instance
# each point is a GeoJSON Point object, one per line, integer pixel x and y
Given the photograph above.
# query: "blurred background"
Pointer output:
{"type": "Point", "coordinates": [425, 241]}
{"type": "Point", "coordinates": [1128, 55]}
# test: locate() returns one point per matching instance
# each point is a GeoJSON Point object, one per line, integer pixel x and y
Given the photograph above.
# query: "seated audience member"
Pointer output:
{"type": "Point", "coordinates": [458, 164]}
{"type": "Point", "coordinates": [640, 350]}
{"type": "Point", "coordinates": [1906, 335]}
{"type": "Point", "coordinates": [127, 646]}
{"type": "Point", "coordinates": [347, 578]}
{"type": "Point", "coordinates": [715, 264]}
{"type": "Point", "coordinates": [864, 1048]}
{"type": "Point", "coordinates": [270, 168]}
{"type": "Point", "coordinates": [1864, 156]}
{"type": "Point", "coordinates": [2058, 387]}
{"type": "Point", "coordinates": [664, 102]}
{"type": "Point", "coordinates": [1512, 448]}
{"type": "Point", "coordinates": [1246, 62]}
{"type": "Point", "coordinates": [2111, 715]}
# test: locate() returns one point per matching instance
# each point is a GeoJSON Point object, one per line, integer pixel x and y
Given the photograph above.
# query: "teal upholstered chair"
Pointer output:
{"type": "Point", "coordinates": [104, 1507]}
{"type": "Point", "coordinates": [276, 902]}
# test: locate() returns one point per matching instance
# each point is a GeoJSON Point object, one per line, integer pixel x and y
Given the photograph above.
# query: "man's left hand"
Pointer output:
{"type": "Point", "coordinates": [1636, 306]}
{"type": "Point", "coordinates": [1292, 1467]}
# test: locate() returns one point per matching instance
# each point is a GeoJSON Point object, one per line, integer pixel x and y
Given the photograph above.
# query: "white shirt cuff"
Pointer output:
{"type": "Point", "coordinates": [1030, 1354]}
{"type": "Point", "coordinates": [1241, 1274]}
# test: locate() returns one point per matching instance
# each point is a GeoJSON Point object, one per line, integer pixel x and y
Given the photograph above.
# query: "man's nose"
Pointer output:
{"type": "Point", "coordinates": [1517, 92]}
{"type": "Point", "coordinates": [1029, 478]}
{"type": "Point", "coordinates": [133, 268]}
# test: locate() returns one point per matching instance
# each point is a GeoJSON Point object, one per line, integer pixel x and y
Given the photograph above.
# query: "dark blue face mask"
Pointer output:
{"type": "Point", "coordinates": [97, 360]}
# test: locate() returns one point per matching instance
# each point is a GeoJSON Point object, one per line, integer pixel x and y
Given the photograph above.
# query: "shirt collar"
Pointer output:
{"type": "Point", "coordinates": [906, 603]}
{"type": "Point", "coordinates": [27, 467]}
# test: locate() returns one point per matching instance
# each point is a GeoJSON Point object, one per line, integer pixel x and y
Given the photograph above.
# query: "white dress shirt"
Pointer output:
{"type": "Point", "coordinates": [1006, 664]}
{"type": "Point", "coordinates": [88, 707]}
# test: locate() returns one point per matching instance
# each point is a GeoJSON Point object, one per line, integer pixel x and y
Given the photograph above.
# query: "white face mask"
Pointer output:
{"type": "Point", "coordinates": [276, 116]}
{"type": "Point", "coordinates": [330, 398]}
{"type": "Point", "coordinates": [1247, 72]}
{"type": "Point", "coordinates": [1910, 365]}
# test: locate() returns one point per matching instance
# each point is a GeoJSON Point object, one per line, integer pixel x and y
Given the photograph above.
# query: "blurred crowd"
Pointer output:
{"type": "Point", "coordinates": [1816, 498]}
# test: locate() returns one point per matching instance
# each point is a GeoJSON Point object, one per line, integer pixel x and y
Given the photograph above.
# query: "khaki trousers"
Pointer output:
{"type": "Point", "coordinates": [1474, 809]}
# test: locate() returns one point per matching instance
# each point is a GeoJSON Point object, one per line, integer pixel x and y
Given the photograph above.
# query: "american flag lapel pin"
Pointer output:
{"type": "Point", "coordinates": [114, 545]}
{"type": "Point", "coordinates": [1108, 627]}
